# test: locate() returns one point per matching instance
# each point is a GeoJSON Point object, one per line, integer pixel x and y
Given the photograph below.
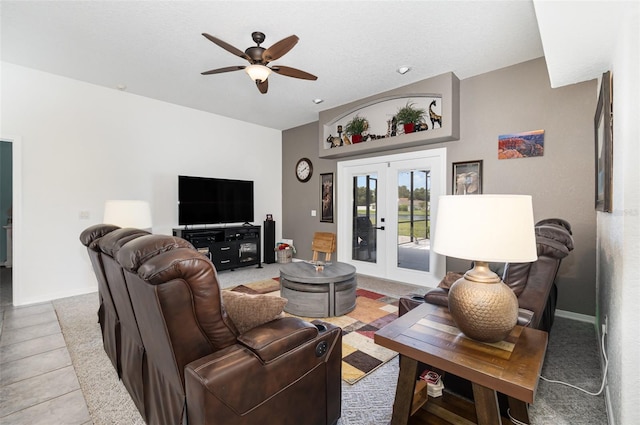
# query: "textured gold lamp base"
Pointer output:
{"type": "Point", "coordinates": [482, 306]}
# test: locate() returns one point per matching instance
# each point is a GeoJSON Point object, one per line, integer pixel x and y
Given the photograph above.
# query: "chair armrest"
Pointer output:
{"type": "Point", "coordinates": [234, 381]}
{"type": "Point", "coordinates": [438, 296]}
{"type": "Point", "coordinates": [525, 317]}
{"type": "Point", "coordinates": [408, 302]}
{"type": "Point", "coordinates": [275, 338]}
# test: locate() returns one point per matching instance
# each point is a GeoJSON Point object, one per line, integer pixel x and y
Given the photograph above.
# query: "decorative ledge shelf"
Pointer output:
{"type": "Point", "coordinates": [444, 89]}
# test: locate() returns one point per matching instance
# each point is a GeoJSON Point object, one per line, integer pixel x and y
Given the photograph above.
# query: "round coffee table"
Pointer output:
{"type": "Point", "coordinates": [323, 293]}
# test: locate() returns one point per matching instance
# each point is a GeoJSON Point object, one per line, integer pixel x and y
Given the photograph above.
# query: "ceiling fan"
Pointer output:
{"type": "Point", "coordinates": [259, 57]}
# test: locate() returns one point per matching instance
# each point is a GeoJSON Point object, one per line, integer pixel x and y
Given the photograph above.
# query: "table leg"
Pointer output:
{"type": "Point", "coordinates": [519, 410]}
{"type": "Point", "coordinates": [486, 401]}
{"type": "Point", "coordinates": [404, 390]}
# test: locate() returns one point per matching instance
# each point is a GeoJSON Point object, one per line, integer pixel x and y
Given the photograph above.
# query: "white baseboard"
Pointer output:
{"type": "Point", "coordinates": [576, 316]}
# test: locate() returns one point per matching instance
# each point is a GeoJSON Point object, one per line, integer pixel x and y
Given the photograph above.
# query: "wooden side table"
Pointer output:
{"type": "Point", "coordinates": [428, 334]}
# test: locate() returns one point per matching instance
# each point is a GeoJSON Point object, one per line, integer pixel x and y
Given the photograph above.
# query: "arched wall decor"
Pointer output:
{"type": "Point", "coordinates": [440, 95]}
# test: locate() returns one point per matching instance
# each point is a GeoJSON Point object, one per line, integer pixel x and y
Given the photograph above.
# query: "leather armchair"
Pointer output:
{"type": "Point", "coordinates": [533, 283]}
{"type": "Point", "coordinates": [199, 369]}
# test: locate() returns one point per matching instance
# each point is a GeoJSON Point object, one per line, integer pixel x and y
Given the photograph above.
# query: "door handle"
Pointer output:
{"type": "Point", "coordinates": [379, 228]}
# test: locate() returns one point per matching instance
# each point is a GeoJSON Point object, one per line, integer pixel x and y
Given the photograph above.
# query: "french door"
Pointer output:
{"type": "Point", "coordinates": [385, 217]}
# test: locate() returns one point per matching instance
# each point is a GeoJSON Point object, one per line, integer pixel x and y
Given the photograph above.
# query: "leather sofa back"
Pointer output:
{"type": "Point", "coordinates": [177, 302]}
{"type": "Point", "coordinates": [129, 345]}
{"type": "Point", "coordinates": [107, 314]}
{"type": "Point", "coordinates": [534, 282]}
{"type": "Point", "coordinates": [109, 246]}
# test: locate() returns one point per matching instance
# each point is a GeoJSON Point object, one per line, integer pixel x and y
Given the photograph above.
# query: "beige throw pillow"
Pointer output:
{"type": "Point", "coordinates": [248, 311]}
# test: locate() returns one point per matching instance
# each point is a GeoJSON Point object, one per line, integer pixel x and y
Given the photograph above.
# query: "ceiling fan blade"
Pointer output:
{"type": "Point", "coordinates": [221, 70]}
{"type": "Point", "coordinates": [226, 46]}
{"type": "Point", "coordinates": [263, 86]}
{"type": "Point", "coordinates": [293, 72]}
{"type": "Point", "coordinates": [279, 49]}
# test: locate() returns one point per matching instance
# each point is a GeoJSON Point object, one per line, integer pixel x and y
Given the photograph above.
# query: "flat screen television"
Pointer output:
{"type": "Point", "coordinates": [205, 200]}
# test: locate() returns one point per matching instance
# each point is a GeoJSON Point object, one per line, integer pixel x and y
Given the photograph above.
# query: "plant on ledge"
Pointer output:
{"type": "Point", "coordinates": [356, 127]}
{"type": "Point", "coordinates": [409, 116]}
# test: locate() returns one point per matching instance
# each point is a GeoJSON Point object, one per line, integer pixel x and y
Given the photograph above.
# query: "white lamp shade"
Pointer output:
{"type": "Point", "coordinates": [125, 213]}
{"type": "Point", "coordinates": [258, 72]}
{"type": "Point", "coordinates": [491, 228]}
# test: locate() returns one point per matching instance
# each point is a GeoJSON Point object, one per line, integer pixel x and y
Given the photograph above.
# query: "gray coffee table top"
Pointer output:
{"type": "Point", "coordinates": [300, 271]}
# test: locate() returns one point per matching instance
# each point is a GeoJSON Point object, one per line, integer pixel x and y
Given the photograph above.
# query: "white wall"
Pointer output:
{"type": "Point", "coordinates": [619, 232]}
{"type": "Point", "coordinates": [83, 144]}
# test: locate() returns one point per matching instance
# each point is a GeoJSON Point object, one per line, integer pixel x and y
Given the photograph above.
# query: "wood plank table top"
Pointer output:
{"type": "Point", "coordinates": [428, 334]}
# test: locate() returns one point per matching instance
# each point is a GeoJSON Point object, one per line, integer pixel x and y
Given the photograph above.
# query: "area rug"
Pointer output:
{"type": "Point", "coordinates": [260, 287]}
{"type": "Point", "coordinates": [360, 355]}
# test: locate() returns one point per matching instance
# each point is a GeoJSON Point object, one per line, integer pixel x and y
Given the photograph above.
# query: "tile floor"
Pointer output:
{"type": "Point", "coordinates": [38, 384]}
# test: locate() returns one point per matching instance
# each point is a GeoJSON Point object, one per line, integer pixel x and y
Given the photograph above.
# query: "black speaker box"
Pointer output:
{"type": "Point", "coordinates": [269, 241]}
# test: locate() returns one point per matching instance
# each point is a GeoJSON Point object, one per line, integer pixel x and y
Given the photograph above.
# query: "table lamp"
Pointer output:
{"type": "Point", "coordinates": [128, 213]}
{"type": "Point", "coordinates": [485, 228]}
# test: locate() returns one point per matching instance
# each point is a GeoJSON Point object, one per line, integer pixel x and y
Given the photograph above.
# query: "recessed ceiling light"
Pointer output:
{"type": "Point", "coordinates": [317, 101]}
{"type": "Point", "coordinates": [403, 70]}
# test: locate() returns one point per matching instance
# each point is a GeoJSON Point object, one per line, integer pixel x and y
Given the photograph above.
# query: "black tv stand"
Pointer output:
{"type": "Point", "coordinates": [227, 247]}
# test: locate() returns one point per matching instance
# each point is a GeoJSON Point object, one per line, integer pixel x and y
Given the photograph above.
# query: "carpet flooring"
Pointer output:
{"type": "Point", "coordinates": [572, 355]}
{"type": "Point", "coordinates": [360, 355]}
{"type": "Point", "coordinates": [107, 399]}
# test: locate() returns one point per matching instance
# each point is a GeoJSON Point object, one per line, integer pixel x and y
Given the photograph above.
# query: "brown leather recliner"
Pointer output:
{"type": "Point", "coordinates": [201, 370]}
{"type": "Point", "coordinates": [132, 350]}
{"type": "Point", "coordinates": [533, 283]}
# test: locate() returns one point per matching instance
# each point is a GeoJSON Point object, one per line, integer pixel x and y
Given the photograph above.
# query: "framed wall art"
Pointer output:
{"type": "Point", "coordinates": [326, 197]}
{"type": "Point", "coordinates": [526, 144]}
{"type": "Point", "coordinates": [467, 178]}
{"type": "Point", "coordinates": [603, 123]}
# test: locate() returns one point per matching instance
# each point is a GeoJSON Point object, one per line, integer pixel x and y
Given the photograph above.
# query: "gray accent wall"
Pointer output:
{"type": "Point", "coordinates": [510, 100]}
{"type": "Point", "coordinates": [299, 199]}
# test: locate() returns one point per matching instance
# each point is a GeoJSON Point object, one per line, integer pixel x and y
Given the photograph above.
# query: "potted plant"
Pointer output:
{"type": "Point", "coordinates": [409, 116]}
{"type": "Point", "coordinates": [356, 127]}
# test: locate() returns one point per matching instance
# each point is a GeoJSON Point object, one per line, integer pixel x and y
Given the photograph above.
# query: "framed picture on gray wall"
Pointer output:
{"type": "Point", "coordinates": [467, 178]}
{"type": "Point", "coordinates": [603, 122]}
{"type": "Point", "coordinates": [326, 197]}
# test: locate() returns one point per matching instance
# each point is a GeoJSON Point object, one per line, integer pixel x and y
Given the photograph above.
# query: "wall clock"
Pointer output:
{"type": "Point", "coordinates": [304, 170]}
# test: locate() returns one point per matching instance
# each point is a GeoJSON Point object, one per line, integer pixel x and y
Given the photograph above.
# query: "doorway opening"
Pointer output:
{"type": "Point", "coordinates": [389, 204]}
{"type": "Point", "coordinates": [10, 210]}
{"type": "Point", "coordinates": [6, 230]}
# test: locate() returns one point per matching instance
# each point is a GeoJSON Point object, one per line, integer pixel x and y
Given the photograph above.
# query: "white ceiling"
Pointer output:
{"type": "Point", "coordinates": [155, 48]}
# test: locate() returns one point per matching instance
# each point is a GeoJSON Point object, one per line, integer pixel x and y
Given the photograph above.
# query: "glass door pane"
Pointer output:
{"type": "Point", "coordinates": [413, 219]}
{"type": "Point", "coordinates": [365, 208]}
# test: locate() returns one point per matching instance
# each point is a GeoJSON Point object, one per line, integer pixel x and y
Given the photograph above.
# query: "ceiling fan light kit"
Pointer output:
{"type": "Point", "coordinates": [259, 57]}
{"type": "Point", "coordinates": [258, 72]}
